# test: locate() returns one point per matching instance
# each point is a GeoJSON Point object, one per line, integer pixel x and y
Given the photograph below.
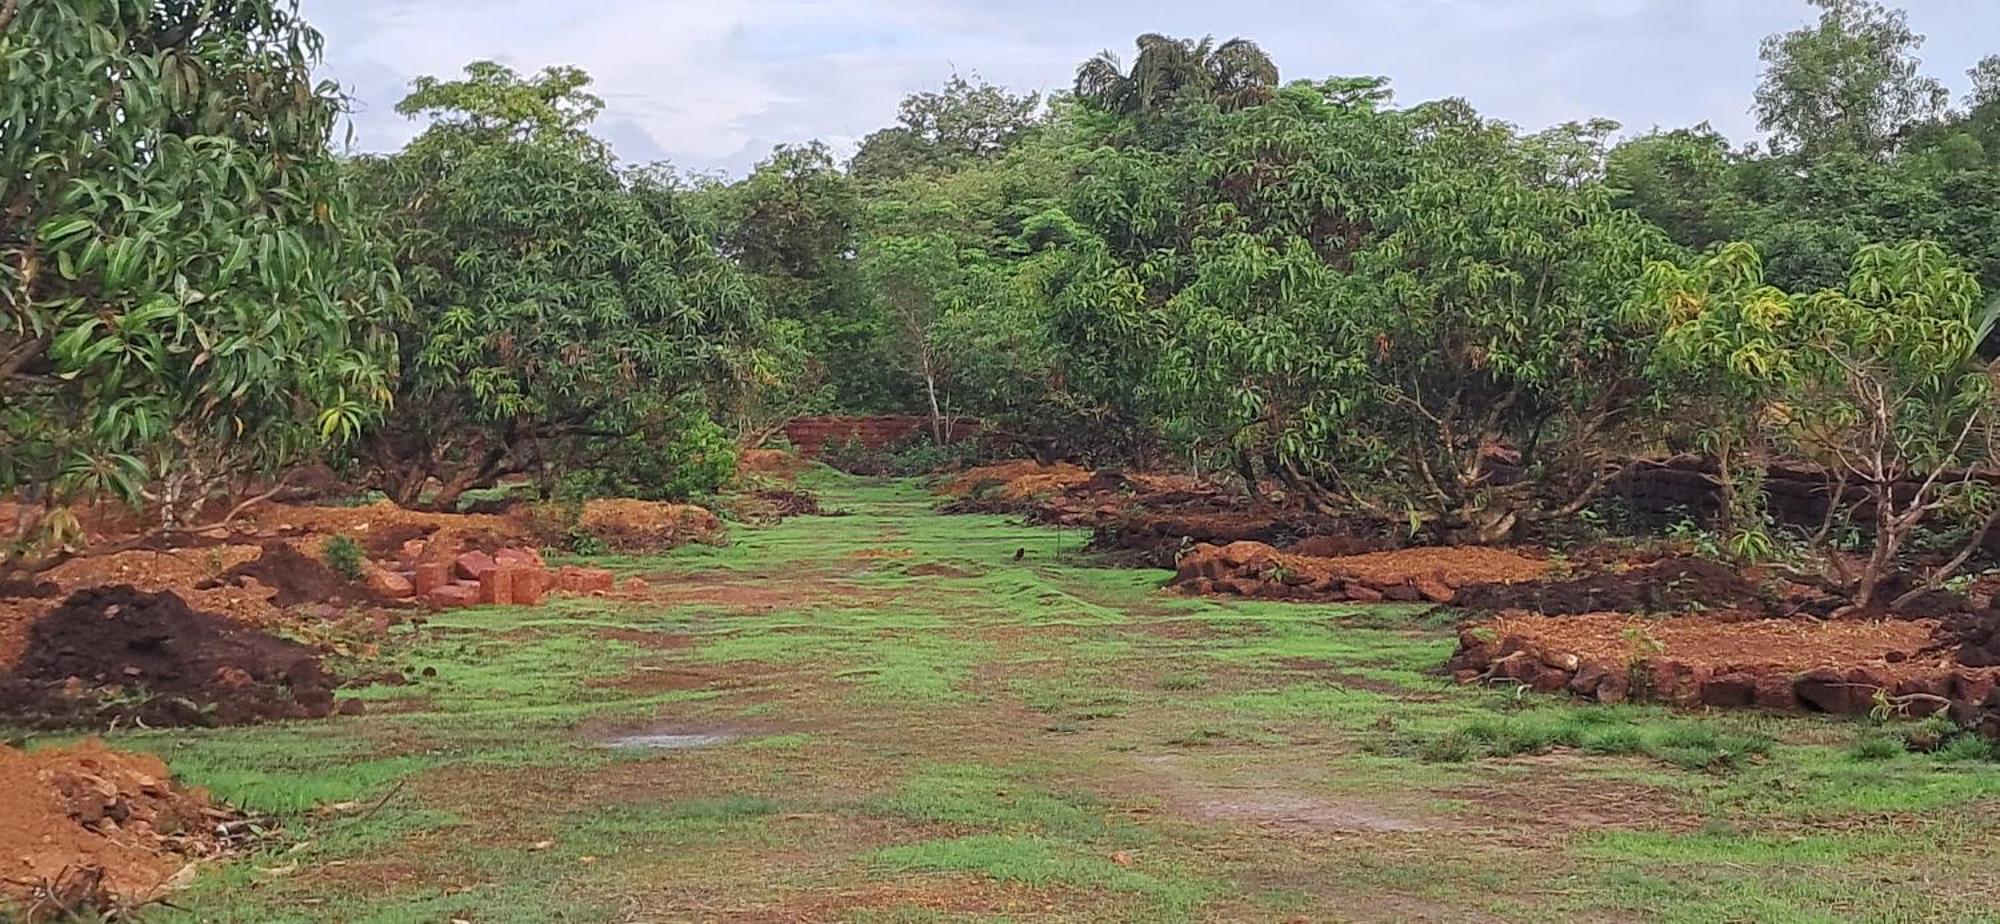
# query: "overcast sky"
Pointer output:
{"type": "Point", "coordinates": [713, 84]}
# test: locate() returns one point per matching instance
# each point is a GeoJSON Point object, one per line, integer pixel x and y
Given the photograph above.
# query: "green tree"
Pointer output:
{"type": "Point", "coordinates": [1876, 382]}
{"type": "Point", "coordinates": [966, 121]}
{"type": "Point", "coordinates": [1849, 84]}
{"type": "Point", "coordinates": [792, 225]}
{"type": "Point", "coordinates": [1681, 180]}
{"type": "Point", "coordinates": [1234, 74]}
{"type": "Point", "coordinates": [1985, 82]}
{"type": "Point", "coordinates": [187, 302]}
{"type": "Point", "coordinates": [562, 309]}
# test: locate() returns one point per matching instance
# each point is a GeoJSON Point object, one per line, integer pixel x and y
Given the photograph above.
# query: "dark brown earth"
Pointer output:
{"type": "Point", "coordinates": [1673, 586]}
{"type": "Point", "coordinates": [115, 654]}
{"type": "Point", "coordinates": [299, 578]}
{"type": "Point", "coordinates": [1973, 637]}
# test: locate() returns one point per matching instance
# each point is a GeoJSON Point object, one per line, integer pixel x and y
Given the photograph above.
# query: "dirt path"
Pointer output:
{"type": "Point", "coordinates": [894, 715]}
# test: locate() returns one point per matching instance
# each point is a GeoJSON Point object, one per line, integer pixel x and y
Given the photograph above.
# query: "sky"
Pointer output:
{"type": "Point", "coordinates": [712, 85]}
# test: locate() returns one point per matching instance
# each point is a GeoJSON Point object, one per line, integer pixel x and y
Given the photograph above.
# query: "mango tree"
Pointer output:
{"type": "Point", "coordinates": [1878, 383]}
{"type": "Point", "coordinates": [554, 299]}
{"type": "Point", "coordinates": [187, 304]}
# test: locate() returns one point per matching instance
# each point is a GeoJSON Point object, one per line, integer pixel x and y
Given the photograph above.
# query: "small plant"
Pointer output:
{"type": "Point", "coordinates": [1877, 747]}
{"type": "Point", "coordinates": [1640, 644]}
{"type": "Point", "coordinates": [1968, 746]}
{"type": "Point", "coordinates": [582, 542]}
{"type": "Point", "coordinates": [1452, 747]}
{"type": "Point", "coordinates": [345, 557]}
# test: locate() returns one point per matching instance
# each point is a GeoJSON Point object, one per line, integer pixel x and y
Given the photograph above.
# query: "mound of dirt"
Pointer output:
{"type": "Point", "coordinates": [627, 525]}
{"type": "Point", "coordinates": [121, 654]}
{"type": "Point", "coordinates": [1148, 518]}
{"type": "Point", "coordinates": [1008, 483]}
{"type": "Point", "coordinates": [1839, 667]}
{"type": "Point", "coordinates": [770, 463]}
{"type": "Point", "coordinates": [298, 578]}
{"type": "Point", "coordinates": [383, 527]}
{"type": "Point", "coordinates": [1672, 586]}
{"type": "Point", "coordinates": [772, 505]}
{"type": "Point", "coordinates": [86, 829]}
{"type": "Point", "coordinates": [1253, 569]}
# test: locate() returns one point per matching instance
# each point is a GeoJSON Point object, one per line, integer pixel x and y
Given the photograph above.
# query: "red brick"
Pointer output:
{"type": "Point", "coordinates": [506, 557]}
{"type": "Point", "coordinates": [496, 587]}
{"type": "Point", "coordinates": [451, 596]}
{"type": "Point", "coordinates": [430, 576]}
{"type": "Point", "coordinates": [530, 584]}
{"type": "Point", "coordinates": [473, 566]}
{"type": "Point", "coordinates": [389, 583]}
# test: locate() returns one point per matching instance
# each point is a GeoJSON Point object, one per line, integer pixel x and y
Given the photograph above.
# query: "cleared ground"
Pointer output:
{"type": "Point", "coordinates": [894, 715]}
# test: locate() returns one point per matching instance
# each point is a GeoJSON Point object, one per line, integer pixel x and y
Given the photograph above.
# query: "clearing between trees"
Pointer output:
{"type": "Point", "coordinates": [895, 714]}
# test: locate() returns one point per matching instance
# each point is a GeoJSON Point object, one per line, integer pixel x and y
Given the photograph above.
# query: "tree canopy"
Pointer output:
{"type": "Point", "coordinates": [188, 297]}
{"type": "Point", "coordinates": [555, 299]}
{"type": "Point", "coordinates": [1358, 305]}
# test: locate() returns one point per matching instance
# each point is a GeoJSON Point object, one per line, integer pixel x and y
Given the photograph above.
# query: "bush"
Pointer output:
{"type": "Point", "coordinates": [679, 452]}
{"type": "Point", "coordinates": [345, 557]}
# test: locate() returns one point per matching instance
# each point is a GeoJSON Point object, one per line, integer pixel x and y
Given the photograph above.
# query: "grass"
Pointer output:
{"type": "Point", "coordinates": [1039, 862]}
{"type": "Point", "coordinates": [961, 718]}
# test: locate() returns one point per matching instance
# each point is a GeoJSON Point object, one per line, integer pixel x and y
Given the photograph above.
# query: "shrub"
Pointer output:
{"type": "Point", "coordinates": [345, 557]}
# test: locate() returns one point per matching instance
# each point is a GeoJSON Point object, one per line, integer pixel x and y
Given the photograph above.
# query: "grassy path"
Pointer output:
{"type": "Point", "coordinates": [897, 716]}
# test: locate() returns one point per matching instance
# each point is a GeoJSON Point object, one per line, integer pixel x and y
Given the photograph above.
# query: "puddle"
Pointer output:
{"type": "Point", "coordinates": [655, 741]}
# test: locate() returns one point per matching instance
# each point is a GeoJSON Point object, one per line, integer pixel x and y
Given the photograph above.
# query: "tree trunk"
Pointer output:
{"type": "Point", "coordinates": [1888, 540]}
{"type": "Point", "coordinates": [930, 389]}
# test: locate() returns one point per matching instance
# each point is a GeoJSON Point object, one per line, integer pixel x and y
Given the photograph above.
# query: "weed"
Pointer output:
{"type": "Point", "coordinates": [345, 557]}
{"type": "Point", "coordinates": [1182, 681]}
{"type": "Point", "coordinates": [1877, 747]}
{"type": "Point", "coordinates": [1968, 746]}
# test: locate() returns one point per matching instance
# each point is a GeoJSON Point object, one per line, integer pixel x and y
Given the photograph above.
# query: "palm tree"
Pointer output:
{"type": "Point", "coordinates": [1235, 74]}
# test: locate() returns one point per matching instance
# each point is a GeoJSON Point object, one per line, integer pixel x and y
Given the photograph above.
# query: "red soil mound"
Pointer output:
{"type": "Point", "coordinates": [1253, 569]}
{"type": "Point", "coordinates": [1676, 586]}
{"type": "Point", "coordinates": [117, 653]}
{"type": "Point", "coordinates": [770, 463]}
{"type": "Point", "coordinates": [382, 526]}
{"type": "Point", "coordinates": [1153, 517]}
{"type": "Point", "coordinates": [1838, 667]}
{"type": "Point", "coordinates": [1014, 481]}
{"type": "Point", "coordinates": [646, 526]}
{"type": "Point", "coordinates": [84, 829]}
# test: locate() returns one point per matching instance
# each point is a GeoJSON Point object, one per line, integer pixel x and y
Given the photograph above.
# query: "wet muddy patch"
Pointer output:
{"type": "Point", "coordinates": [668, 736]}
{"type": "Point", "coordinates": [1270, 805]}
{"type": "Point", "coordinates": [668, 741]}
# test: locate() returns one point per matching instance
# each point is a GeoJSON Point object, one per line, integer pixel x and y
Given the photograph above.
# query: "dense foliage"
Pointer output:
{"type": "Point", "coordinates": [1407, 312]}
{"type": "Point", "coordinates": [186, 300]}
{"type": "Point", "coordinates": [562, 311]}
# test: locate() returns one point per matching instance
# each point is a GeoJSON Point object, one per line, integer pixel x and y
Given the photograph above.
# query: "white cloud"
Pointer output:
{"type": "Point", "coordinates": [714, 83]}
